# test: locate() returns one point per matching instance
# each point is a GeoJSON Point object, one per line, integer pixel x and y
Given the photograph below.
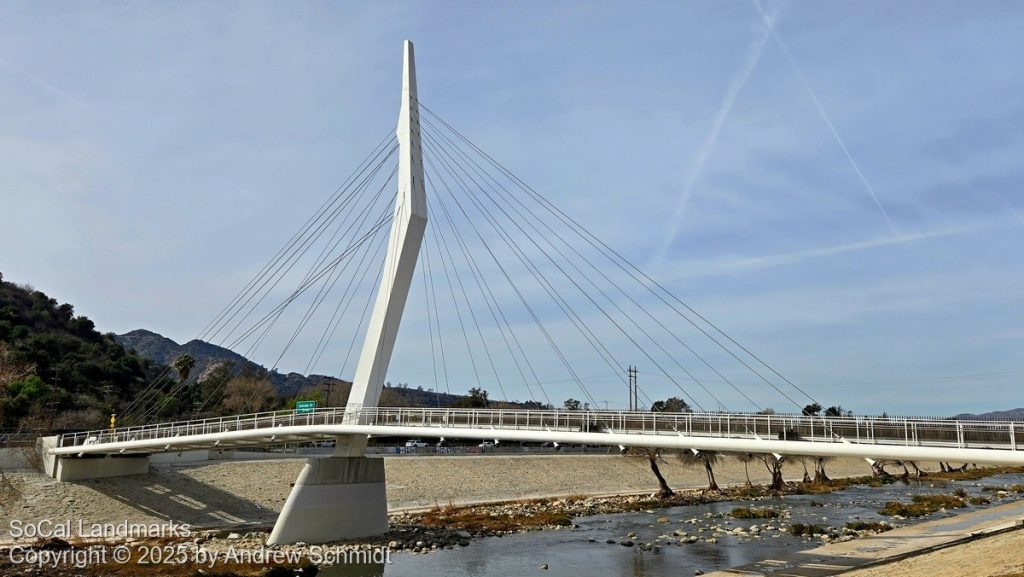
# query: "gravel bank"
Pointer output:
{"type": "Point", "coordinates": [230, 493]}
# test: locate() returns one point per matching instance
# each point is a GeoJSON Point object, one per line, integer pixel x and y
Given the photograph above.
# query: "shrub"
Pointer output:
{"type": "Point", "coordinates": [922, 505]}
{"type": "Point", "coordinates": [753, 513]}
{"type": "Point", "coordinates": [869, 526]}
{"type": "Point", "coordinates": [806, 529]}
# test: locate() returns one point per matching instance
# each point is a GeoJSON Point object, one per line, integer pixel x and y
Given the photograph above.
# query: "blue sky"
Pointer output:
{"type": "Point", "coordinates": [152, 156]}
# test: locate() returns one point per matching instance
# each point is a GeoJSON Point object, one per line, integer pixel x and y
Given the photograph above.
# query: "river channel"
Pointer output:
{"type": "Point", "coordinates": [585, 551]}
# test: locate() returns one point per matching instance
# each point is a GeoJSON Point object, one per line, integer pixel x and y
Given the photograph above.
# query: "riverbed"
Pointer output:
{"type": "Point", "coordinates": [722, 541]}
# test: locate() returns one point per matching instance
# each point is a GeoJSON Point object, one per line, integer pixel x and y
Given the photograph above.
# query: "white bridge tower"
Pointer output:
{"type": "Point", "coordinates": [407, 228]}
{"type": "Point", "coordinates": [343, 496]}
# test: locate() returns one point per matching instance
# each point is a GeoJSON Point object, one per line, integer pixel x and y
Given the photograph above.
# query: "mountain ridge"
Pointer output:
{"type": "Point", "coordinates": [208, 356]}
{"type": "Point", "coordinates": [1007, 415]}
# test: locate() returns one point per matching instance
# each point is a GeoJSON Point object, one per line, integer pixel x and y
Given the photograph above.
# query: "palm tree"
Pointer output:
{"type": "Point", "coordinates": [653, 456]}
{"type": "Point", "coordinates": [184, 365]}
{"type": "Point", "coordinates": [706, 459]}
{"type": "Point", "coordinates": [746, 458]}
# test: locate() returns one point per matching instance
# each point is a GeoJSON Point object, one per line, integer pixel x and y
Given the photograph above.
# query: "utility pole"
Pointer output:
{"type": "Point", "coordinates": [633, 397]}
{"type": "Point", "coordinates": [329, 383]}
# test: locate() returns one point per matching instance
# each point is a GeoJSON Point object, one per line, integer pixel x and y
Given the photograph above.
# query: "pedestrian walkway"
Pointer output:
{"type": "Point", "coordinates": [888, 547]}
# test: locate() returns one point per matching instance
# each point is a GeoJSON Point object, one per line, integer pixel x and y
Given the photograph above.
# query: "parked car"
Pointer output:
{"type": "Point", "coordinates": [486, 445]}
{"type": "Point", "coordinates": [415, 443]}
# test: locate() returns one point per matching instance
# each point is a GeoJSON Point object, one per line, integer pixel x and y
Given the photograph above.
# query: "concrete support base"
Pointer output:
{"type": "Point", "coordinates": [334, 499]}
{"type": "Point", "coordinates": [87, 467]}
{"type": "Point", "coordinates": [80, 469]}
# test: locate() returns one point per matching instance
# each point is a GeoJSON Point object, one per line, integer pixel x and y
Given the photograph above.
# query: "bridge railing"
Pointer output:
{"type": "Point", "coordinates": [869, 430]}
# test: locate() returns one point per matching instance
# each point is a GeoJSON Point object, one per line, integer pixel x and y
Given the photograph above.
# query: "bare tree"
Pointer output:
{"type": "Point", "coordinates": [248, 394]}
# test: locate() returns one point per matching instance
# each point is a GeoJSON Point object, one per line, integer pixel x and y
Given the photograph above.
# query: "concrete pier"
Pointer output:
{"type": "Point", "coordinates": [334, 499]}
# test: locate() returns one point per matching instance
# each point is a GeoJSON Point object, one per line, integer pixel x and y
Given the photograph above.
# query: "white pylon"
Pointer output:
{"type": "Point", "coordinates": [407, 229]}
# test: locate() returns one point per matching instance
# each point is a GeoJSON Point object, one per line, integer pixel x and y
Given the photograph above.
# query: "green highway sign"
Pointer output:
{"type": "Point", "coordinates": [305, 407]}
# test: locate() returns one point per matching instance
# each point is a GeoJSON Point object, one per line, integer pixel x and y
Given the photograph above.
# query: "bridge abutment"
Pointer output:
{"type": "Point", "coordinates": [69, 468]}
{"type": "Point", "coordinates": [334, 499]}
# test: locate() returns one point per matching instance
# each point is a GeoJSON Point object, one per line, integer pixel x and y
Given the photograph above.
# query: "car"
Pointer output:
{"type": "Point", "coordinates": [415, 444]}
{"type": "Point", "coordinates": [486, 445]}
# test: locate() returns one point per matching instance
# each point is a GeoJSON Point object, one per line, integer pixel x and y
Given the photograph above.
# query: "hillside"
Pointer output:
{"type": "Point", "coordinates": [1008, 415]}
{"type": "Point", "coordinates": [208, 357]}
{"type": "Point", "coordinates": [56, 369]}
{"type": "Point", "coordinates": [58, 372]}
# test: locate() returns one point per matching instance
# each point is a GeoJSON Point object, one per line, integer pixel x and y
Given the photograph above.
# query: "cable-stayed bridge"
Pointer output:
{"type": "Point", "coordinates": [521, 290]}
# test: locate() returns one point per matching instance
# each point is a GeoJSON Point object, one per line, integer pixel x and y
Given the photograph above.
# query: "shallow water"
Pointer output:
{"type": "Point", "coordinates": [569, 553]}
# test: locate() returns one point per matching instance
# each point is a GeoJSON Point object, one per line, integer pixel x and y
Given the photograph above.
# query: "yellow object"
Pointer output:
{"type": "Point", "coordinates": [113, 420]}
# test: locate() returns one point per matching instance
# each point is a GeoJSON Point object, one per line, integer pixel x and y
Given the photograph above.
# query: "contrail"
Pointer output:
{"type": "Point", "coordinates": [697, 164]}
{"type": "Point", "coordinates": [769, 23]}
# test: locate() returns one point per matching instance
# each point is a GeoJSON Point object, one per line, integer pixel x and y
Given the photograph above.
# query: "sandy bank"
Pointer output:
{"type": "Point", "coordinates": [996, 556]}
{"type": "Point", "coordinates": [226, 493]}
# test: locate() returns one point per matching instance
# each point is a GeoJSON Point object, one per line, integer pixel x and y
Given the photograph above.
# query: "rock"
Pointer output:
{"type": "Point", "coordinates": [626, 543]}
{"type": "Point", "coordinates": [234, 536]}
{"type": "Point", "coordinates": [610, 541]}
{"type": "Point", "coordinates": [544, 566]}
{"type": "Point", "coordinates": [662, 519]}
{"type": "Point", "coordinates": [463, 534]}
{"type": "Point", "coordinates": [464, 543]}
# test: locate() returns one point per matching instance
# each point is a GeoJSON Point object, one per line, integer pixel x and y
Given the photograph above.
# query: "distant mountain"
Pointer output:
{"type": "Point", "coordinates": [1010, 415]}
{"type": "Point", "coordinates": [163, 350]}
{"type": "Point", "coordinates": [208, 357]}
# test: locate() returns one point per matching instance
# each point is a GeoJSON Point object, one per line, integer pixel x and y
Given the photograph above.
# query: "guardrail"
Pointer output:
{"type": "Point", "coordinates": [867, 430]}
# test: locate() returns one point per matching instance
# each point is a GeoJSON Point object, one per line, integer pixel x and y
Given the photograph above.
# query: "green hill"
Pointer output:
{"type": "Point", "coordinates": [56, 369]}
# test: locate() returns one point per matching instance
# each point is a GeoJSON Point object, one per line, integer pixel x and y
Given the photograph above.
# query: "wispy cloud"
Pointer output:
{"type": "Point", "coordinates": [744, 264]}
{"type": "Point", "coordinates": [54, 90]}
{"type": "Point", "coordinates": [706, 147]}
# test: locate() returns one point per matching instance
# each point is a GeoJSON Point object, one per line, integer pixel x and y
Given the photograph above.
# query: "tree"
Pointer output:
{"type": "Point", "coordinates": [670, 405]}
{"type": "Point", "coordinates": [820, 477]}
{"type": "Point", "coordinates": [653, 457]}
{"type": "Point", "coordinates": [812, 410]}
{"type": "Point", "coordinates": [746, 458]}
{"type": "Point", "coordinates": [705, 459]}
{"type": "Point", "coordinates": [12, 368]}
{"type": "Point", "coordinates": [837, 411]}
{"type": "Point", "coordinates": [184, 365]}
{"type": "Point", "coordinates": [248, 394]}
{"type": "Point", "coordinates": [476, 399]}
{"type": "Point", "coordinates": [572, 405]}
{"type": "Point", "coordinates": [774, 466]}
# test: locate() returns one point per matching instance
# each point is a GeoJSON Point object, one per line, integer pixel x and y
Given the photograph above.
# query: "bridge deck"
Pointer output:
{"type": "Point", "coordinates": [796, 434]}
